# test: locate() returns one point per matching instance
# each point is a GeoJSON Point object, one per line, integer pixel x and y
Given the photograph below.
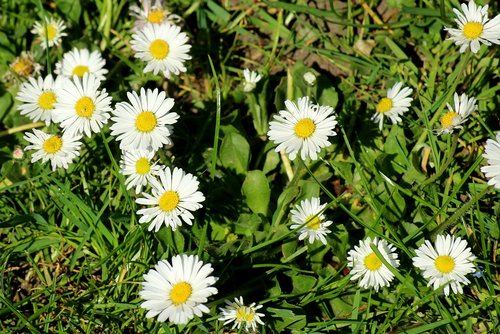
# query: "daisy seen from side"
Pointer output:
{"type": "Point", "coordinates": [458, 114]}
{"type": "Point", "coordinates": [139, 168]}
{"type": "Point", "coordinates": [310, 221]}
{"type": "Point", "coordinates": [303, 127]}
{"type": "Point", "coordinates": [176, 291]}
{"type": "Point", "coordinates": [492, 155]}
{"type": "Point", "coordinates": [174, 197]}
{"type": "Point", "coordinates": [81, 61]}
{"type": "Point", "coordinates": [394, 105]}
{"type": "Point", "coordinates": [251, 78]}
{"type": "Point", "coordinates": [49, 32]}
{"type": "Point", "coordinates": [241, 315]}
{"type": "Point", "coordinates": [366, 265]}
{"type": "Point", "coordinates": [154, 12]}
{"type": "Point", "coordinates": [445, 263]}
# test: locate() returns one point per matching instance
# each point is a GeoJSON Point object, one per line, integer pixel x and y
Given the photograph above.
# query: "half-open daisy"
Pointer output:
{"type": "Point", "coordinates": [474, 27]}
{"type": "Point", "coordinates": [394, 105]}
{"type": "Point", "coordinates": [177, 292]}
{"type": "Point", "coordinates": [22, 67]}
{"type": "Point", "coordinates": [152, 11]}
{"type": "Point", "coordinates": [492, 154]}
{"type": "Point", "coordinates": [458, 114]}
{"type": "Point", "coordinates": [367, 266]}
{"type": "Point", "coordinates": [82, 107]}
{"type": "Point", "coordinates": [138, 167]}
{"type": "Point", "coordinates": [60, 150]}
{"type": "Point", "coordinates": [81, 61]}
{"type": "Point", "coordinates": [251, 80]}
{"type": "Point", "coordinates": [163, 46]}
{"type": "Point", "coordinates": [308, 217]}
{"type": "Point", "coordinates": [304, 127]}
{"type": "Point", "coordinates": [173, 198]}
{"type": "Point", "coordinates": [446, 264]}
{"type": "Point", "coordinates": [39, 97]}
{"type": "Point", "coordinates": [49, 31]}
{"type": "Point", "coordinates": [144, 123]}
{"type": "Point", "coordinates": [241, 314]}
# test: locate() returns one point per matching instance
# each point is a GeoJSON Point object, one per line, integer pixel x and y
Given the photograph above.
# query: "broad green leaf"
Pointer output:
{"type": "Point", "coordinates": [71, 8]}
{"type": "Point", "coordinates": [303, 283]}
{"type": "Point", "coordinates": [235, 152]}
{"type": "Point", "coordinates": [256, 191]}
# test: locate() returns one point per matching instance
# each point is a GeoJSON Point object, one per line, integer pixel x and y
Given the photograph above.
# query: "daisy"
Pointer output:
{"type": "Point", "coordinates": [39, 97]}
{"type": "Point", "coordinates": [22, 67]}
{"type": "Point", "coordinates": [81, 107]}
{"type": "Point", "coordinates": [367, 265]}
{"type": "Point", "coordinates": [474, 27]}
{"type": "Point", "coordinates": [51, 31]}
{"type": "Point", "coordinates": [137, 165]}
{"type": "Point", "coordinates": [303, 127]}
{"type": "Point", "coordinates": [241, 315]}
{"type": "Point", "coordinates": [394, 105]}
{"type": "Point", "coordinates": [310, 220]}
{"type": "Point", "coordinates": [454, 118]}
{"type": "Point", "coordinates": [163, 47]}
{"type": "Point", "coordinates": [492, 154]}
{"type": "Point", "coordinates": [173, 199]}
{"type": "Point", "coordinates": [78, 62]}
{"type": "Point", "coordinates": [145, 122]}
{"type": "Point", "coordinates": [446, 264]}
{"type": "Point", "coordinates": [177, 291]}
{"type": "Point", "coordinates": [60, 150]}
{"type": "Point", "coordinates": [251, 80]}
{"type": "Point", "coordinates": [152, 12]}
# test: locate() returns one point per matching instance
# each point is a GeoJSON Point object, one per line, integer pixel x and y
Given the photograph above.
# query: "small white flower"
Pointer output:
{"type": "Point", "coordinates": [39, 97]}
{"type": "Point", "coordinates": [492, 154]}
{"type": "Point", "coordinates": [81, 107]}
{"type": "Point", "coordinates": [60, 150]}
{"type": "Point", "coordinates": [163, 46]}
{"type": "Point", "coordinates": [394, 105]}
{"type": "Point", "coordinates": [154, 13]}
{"type": "Point", "coordinates": [304, 127]}
{"type": "Point", "coordinates": [457, 115]}
{"type": "Point", "coordinates": [366, 264]}
{"type": "Point", "coordinates": [51, 30]}
{"type": "Point", "coordinates": [78, 62]}
{"type": "Point", "coordinates": [146, 122]}
{"type": "Point", "coordinates": [177, 292]}
{"type": "Point", "coordinates": [139, 169]}
{"type": "Point", "coordinates": [310, 220]}
{"type": "Point", "coordinates": [310, 78]}
{"type": "Point", "coordinates": [446, 264]}
{"type": "Point", "coordinates": [240, 314]}
{"type": "Point", "coordinates": [474, 27]}
{"type": "Point", "coordinates": [173, 200]}
{"type": "Point", "coordinates": [251, 80]}
{"type": "Point", "coordinates": [18, 153]}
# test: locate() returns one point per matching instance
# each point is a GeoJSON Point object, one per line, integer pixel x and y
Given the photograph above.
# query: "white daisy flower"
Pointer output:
{"type": "Point", "coordinates": [51, 31]}
{"type": "Point", "coordinates": [138, 167]}
{"type": "Point", "coordinates": [454, 118]}
{"type": "Point", "coordinates": [153, 12]}
{"type": "Point", "coordinates": [394, 105]}
{"type": "Point", "coordinates": [163, 47]}
{"type": "Point", "coordinates": [177, 292]}
{"type": "Point", "coordinates": [251, 80]}
{"type": "Point", "coordinates": [240, 314]}
{"type": "Point", "coordinates": [367, 265]}
{"type": "Point", "coordinates": [78, 62]}
{"type": "Point", "coordinates": [474, 27]}
{"type": "Point", "coordinates": [310, 220]}
{"type": "Point", "coordinates": [492, 154]}
{"type": "Point", "coordinates": [303, 127]}
{"type": "Point", "coordinates": [39, 97]}
{"type": "Point", "coordinates": [60, 150]}
{"type": "Point", "coordinates": [81, 107]}
{"type": "Point", "coordinates": [447, 264]}
{"type": "Point", "coordinates": [173, 199]}
{"type": "Point", "coordinates": [145, 122]}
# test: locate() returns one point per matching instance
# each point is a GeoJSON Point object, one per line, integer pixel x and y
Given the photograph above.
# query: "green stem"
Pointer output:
{"type": "Point", "coordinates": [21, 128]}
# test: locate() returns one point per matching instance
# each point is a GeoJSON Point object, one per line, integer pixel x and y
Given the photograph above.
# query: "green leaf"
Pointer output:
{"type": "Point", "coordinates": [303, 283]}
{"type": "Point", "coordinates": [288, 319]}
{"type": "Point", "coordinates": [235, 152]}
{"type": "Point", "coordinates": [71, 8]}
{"type": "Point", "coordinates": [256, 191]}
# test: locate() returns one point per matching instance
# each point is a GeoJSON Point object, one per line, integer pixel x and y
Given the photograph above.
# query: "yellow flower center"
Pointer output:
{"type": "Point", "coordinates": [80, 70]}
{"type": "Point", "coordinates": [85, 107]}
{"type": "Point", "coordinates": [243, 315]}
{"type": "Point", "coordinates": [180, 293]}
{"type": "Point", "coordinates": [384, 105]}
{"type": "Point", "coordinates": [305, 128]}
{"type": "Point", "coordinates": [473, 30]}
{"type": "Point", "coordinates": [46, 100]}
{"type": "Point", "coordinates": [313, 222]}
{"type": "Point", "coordinates": [447, 119]}
{"type": "Point", "coordinates": [22, 67]}
{"type": "Point", "coordinates": [142, 166]}
{"type": "Point", "coordinates": [444, 264]}
{"type": "Point", "coordinates": [168, 201]}
{"type": "Point", "coordinates": [145, 121]}
{"type": "Point", "coordinates": [52, 144]}
{"type": "Point", "coordinates": [159, 49]}
{"type": "Point", "coordinates": [372, 262]}
{"type": "Point", "coordinates": [156, 16]}
{"type": "Point", "coordinates": [51, 32]}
